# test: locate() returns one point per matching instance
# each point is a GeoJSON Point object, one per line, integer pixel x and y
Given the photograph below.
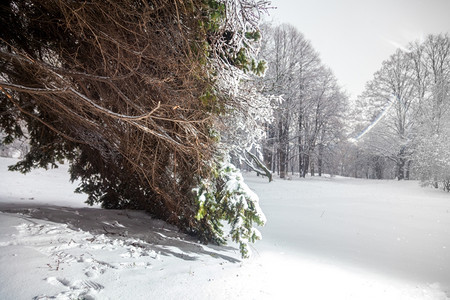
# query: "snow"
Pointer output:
{"type": "Point", "coordinates": [396, 230]}
{"type": "Point", "coordinates": [325, 238]}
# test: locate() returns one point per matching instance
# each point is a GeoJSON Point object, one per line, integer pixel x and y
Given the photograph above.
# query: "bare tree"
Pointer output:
{"type": "Point", "coordinates": [279, 51]}
{"type": "Point", "coordinates": [309, 93]}
{"type": "Point", "coordinates": [432, 76]}
{"type": "Point", "coordinates": [406, 107]}
{"type": "Point", "coordinates": [392, 102]}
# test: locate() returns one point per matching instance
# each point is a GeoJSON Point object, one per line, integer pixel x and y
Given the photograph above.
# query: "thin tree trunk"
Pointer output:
{"type": "Point", "coordinates": [305, 165]}
{"type": "Point", "coordinates": [283, 127]}
{"type": "Point", "coordinates": [263, 170]}
{"type": "Point", "coordinates": [274, 159]}
{"type": "Point", "coordinates": [300, 147]}
{"type": "Point", "coordinates": [320, 160]}
{"type": "Point", "coordinates": [408, 169]}
{"type": "Point", "coordinates": [401, 169]}
{"type": "Point", "coordinates": [282, 163]}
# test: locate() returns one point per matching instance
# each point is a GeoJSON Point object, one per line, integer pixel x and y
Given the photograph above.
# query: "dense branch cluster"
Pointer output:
{"type": "Point", "coordinates": [121, 83]}
{"type": "Point", "coordinates": [125, 90]}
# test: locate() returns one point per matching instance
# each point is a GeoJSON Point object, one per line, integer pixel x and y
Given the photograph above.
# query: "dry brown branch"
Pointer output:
{"type": "Point", "coordinates": [121, 80]}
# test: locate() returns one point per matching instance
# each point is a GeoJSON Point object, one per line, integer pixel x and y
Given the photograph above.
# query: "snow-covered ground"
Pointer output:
{"type": "Point", "coordinates": [326, 238]}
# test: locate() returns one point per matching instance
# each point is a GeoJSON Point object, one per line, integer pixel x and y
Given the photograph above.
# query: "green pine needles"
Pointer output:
{"type": "Point", "coordinates": [225, 197]}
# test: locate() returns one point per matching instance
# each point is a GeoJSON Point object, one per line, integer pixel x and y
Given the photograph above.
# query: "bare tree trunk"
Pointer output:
{"type": "Point", "coordinates": [305, 165]}
{"type": "Point", "coordinates": [300, 158]}
{"type": "Point", "coordinates": [283, 127]}
{"type": "Point", "coordinates": [268, 157]}
{"type": "Point", "coordinates": [263, 170]}
{"type": "Point", "coordinates": [320, 160]}
{"type": "Point", "coordinates": [401, 169]}
{"type": "Point", "coordinates": [278, 162]}
{"type": "Point", "coordinates": [408, 169]}
{"type": "Point", "coordinates": [274, 159]}
{"type": "Point", "coordinates": [300, 147]}
{"type": "Point", "coordinates": [282, 163]}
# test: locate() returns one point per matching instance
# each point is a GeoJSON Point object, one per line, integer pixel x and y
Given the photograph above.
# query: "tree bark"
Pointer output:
{"type": "Point", "coordinates": [320, 160]}
{"type": "Point", "coordinates": [305, 165]}
{"type": "Point", "coordinates": [264, 171]}
{"type": "Point", "coordinates": [283, 127]}
{"type": "Point", "coordinates": [408, 169]}
{"type": "Point", "coordinates": [401, 169]}
{"type": "Point", "coordinates": [300, 146]}
{"type": "Point", "coordinates": [282, 163]}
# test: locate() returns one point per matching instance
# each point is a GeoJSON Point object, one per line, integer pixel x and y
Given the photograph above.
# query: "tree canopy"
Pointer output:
{"type": "Point", "coordinates": [129, 92]}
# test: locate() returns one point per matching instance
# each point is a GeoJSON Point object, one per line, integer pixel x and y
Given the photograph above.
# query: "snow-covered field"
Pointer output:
{"type": "Point", "coordinates": [326, 238]}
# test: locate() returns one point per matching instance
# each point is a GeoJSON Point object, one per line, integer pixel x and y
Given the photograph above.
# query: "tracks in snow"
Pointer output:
{"type": "Point", "coordinates": [84, 254]}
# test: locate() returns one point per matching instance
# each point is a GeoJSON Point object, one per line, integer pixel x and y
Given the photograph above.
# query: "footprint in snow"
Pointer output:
{"type": "Point", "coordinates": [77, 285]}
{"type": "Point", "coordinates": [58, 281]}
{"type": "Point", "coordinates": [87, 284]}
{"type": "Point", "coordinates": [94, 270]}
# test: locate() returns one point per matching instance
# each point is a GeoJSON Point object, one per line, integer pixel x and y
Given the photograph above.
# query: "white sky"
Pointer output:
{"type": "Point", "coordinates": [353, 37]}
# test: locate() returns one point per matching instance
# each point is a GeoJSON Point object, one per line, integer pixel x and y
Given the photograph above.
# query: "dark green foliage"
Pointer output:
{"type": "Point", "coordinates": [215, 13]}
{"type": "Point", "coordinates": [225, 197]}
{"type": "Point", "coordinates": [9, 121]}
{"type": "Point", "coordinates": [124, 92]}
{"type": "Point", "coordinates": [112, 89]}
{"type": "Point", "coordinates": [117, 188]}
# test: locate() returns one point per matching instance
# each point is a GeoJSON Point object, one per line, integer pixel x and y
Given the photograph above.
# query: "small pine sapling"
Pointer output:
{"type": "Point", "coordinates": [226, 197]}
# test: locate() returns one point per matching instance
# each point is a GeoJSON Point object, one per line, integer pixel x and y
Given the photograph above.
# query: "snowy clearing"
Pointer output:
{"type": "Point", "coordinates": [326, 238]}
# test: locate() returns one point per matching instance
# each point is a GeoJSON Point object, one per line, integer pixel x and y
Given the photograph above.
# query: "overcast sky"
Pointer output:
{"type": "Point", "coordinates": [353, 37]}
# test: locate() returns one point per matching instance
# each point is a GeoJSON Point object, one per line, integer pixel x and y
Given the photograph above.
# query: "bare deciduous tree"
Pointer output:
{"type": "Point", "coordinates": [309, 102]}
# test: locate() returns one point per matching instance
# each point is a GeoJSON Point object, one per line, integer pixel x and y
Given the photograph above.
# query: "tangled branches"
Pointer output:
{"type": "Point", "coordinates": [117, 85]}
{"type": "Point", "coordinates": [127, 91]}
